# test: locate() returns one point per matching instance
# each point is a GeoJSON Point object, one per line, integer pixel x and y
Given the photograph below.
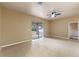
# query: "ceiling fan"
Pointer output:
{"type": "Point", "coordinates": [53, 13]}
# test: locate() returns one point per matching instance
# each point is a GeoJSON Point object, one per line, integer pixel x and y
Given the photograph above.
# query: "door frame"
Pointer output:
{"type": "Point", "coordinates": [69, 28]}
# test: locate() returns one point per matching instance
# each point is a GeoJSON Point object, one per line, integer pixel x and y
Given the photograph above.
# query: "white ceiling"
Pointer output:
{"type": "Point", "coordinates": [67, 9]}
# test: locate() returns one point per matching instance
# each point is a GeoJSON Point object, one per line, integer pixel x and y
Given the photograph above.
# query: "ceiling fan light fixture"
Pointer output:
{"type": "Point", "coordinates": [53, 15]}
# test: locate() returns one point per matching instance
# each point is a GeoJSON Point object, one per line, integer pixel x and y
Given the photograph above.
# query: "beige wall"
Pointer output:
{"type": "Point", "coordinates": [16, 26]}
{"type": "Point", "coordinates": [59, 27]}
{"type": "Point", "coordinates": [46, 28]}
{"type": "Point", "coordinates": [0, 26]}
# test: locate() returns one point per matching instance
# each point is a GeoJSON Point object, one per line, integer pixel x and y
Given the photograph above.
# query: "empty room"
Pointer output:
{"type": "Point", "coordinates": [39, 29]}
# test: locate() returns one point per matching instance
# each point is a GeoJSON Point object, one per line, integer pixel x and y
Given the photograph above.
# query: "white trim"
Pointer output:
{"type": "Point", "coordinates": [60, 37]}
{"type": "Point", "coordinates": [14, 43]}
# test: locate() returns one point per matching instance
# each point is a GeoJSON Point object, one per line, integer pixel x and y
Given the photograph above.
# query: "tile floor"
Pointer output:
{"type": "Point", "coordinates": [44, 47]}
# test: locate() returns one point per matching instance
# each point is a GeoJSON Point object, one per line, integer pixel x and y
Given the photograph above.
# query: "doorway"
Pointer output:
{"type": "Point", "coordinates": [37, 30]}
{"type": "Point", "coordinates": [73, 31]}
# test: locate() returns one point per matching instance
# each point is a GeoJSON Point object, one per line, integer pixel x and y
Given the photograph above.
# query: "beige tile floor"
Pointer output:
{"type": "Point", "coordinates": [44, 47]}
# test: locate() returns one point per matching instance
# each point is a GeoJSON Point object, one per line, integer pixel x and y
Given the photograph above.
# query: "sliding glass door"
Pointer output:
{"type": "Point", "coordinates": [37, 30]}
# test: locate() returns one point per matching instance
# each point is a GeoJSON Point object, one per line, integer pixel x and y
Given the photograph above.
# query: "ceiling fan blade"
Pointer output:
{"type": "Point", "coordinates": [58, 13]}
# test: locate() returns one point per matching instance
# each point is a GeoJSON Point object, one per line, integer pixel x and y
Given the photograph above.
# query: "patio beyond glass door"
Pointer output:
{"type": "Point", "coordinates": [37, 30]}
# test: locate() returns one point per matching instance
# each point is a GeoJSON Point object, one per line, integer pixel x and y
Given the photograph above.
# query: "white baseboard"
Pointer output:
{"type": "Point", "coordinates": [15, 43]}
{"type": "Point", "coordinates": [60, 37]}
